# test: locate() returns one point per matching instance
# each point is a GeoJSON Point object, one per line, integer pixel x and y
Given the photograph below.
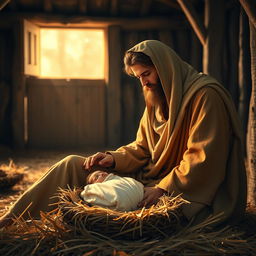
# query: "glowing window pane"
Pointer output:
{"type": "Point", "coordinates": [72, 53]}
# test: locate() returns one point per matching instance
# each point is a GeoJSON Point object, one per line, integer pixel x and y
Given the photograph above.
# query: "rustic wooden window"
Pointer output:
{"type": "Point", "coordinates": [72, 53]}
{"type": "Point", "coordinates": [64, 53]}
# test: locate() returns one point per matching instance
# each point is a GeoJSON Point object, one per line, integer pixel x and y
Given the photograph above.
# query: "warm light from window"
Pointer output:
{"type": "Point", "coordinates": [72, 53]}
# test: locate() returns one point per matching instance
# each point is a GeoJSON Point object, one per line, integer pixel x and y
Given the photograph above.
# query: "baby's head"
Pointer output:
{"type": "Point", "coordinates": [96, 177]}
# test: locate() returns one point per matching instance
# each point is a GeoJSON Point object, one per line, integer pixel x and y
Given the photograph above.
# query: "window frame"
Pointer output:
{"type": "Point", "coordinates": [33, 68]}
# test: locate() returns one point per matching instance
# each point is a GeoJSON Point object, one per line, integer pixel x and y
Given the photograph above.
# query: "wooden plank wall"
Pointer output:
{"type": "Point", "coordinates": [6, 50]}
{"type": "Point", "coordinates": [65, 114]}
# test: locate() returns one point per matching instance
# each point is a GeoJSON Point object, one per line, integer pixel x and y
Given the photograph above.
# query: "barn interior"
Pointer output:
{"type": "Point", "coordinates": [62, 82]}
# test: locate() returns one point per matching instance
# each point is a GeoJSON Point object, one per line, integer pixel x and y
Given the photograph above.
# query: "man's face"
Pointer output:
{"type": "Point", "coordinates": [151, 85]}
{"type": "Point", "coordinates": [97, 177]}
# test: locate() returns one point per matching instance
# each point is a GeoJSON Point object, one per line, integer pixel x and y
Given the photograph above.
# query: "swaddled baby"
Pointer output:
{"type": "Point", "coordinates": [112, 191]}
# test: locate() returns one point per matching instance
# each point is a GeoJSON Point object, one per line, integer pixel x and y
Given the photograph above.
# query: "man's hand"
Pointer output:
{"type": "Point", "coordinates": [100, 159]}
{"type": "Point", "coordinates": [151, 196]}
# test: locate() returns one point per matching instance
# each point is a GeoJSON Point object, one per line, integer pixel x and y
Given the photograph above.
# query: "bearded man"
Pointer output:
{"type": "Point", "coordinates": [189, 142]}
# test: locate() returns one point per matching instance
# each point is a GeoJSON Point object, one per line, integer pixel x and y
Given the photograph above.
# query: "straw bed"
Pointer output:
{"type": "Point", "coordinates": [161, 220]}
{"type": "Point", "coordinates": [51, 235]}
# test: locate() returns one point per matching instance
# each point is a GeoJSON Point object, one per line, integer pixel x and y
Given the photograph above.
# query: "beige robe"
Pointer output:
{"type": "Point", "coordinates": [198, 150]}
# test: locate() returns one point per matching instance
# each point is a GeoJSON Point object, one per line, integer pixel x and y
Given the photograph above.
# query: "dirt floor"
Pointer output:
{"type": "Point", "coordinates": [35, 163]}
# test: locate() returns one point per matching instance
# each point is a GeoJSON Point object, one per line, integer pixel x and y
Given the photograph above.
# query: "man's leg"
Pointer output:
{"type": "Point", "coordinates": [67, 172]}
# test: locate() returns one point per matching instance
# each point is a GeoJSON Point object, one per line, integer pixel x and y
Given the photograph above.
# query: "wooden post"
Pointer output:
{"type": "Point", "coordinates": [196, 52]}
{"type": "Point", "coordinates": [251, 139]}
{"type": "Point", "coordinates": [213, 49]}
{"type": "Point", "coordinates": [233, 51]}
{"type": "Point", "coordinates": [250, 9]}
{"type": "Point", "coordinates": [18, 88]}
{"type": "Point", "coordinates": [113, 87]}
{"type": "Point", "coordinates": [244, 75]}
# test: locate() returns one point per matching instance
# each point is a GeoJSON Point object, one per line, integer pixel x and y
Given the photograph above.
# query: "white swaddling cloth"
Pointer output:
{"type": "Point", "coordinates": [115, 192]}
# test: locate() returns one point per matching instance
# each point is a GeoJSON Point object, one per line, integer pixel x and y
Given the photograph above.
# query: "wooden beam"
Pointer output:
{"type": "Point", "coordinates": [114, 7]}
{"type": "Point", "coordinates": [48, 5]}
{"type": "Point", "coordinates": [52, 20]}
{"type": "Point", "coordinates": [145, 7]}
{"type": "Point", "coordinates": [193, 19]}
{"type": "Point", "coordinates": [213, 49]}
{"type": "Point", "coordinates": [3, 3]}
{"type": "Point", "coordinates": [250, 9]}
{"type": "Point", "coordinates": [114, 87]}
{"type": "Point", "coordinates": [83, 6]}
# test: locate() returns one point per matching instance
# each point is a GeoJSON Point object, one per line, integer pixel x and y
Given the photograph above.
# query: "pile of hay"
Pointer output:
{"type": "Point", "coordinates": [77, 229]}
{"type": "Point", "coordinates": [161, 220]}
{"type": "Point", "coordinates": [10, 175]}
{"type": "Point", "coordinates": [51, 236]}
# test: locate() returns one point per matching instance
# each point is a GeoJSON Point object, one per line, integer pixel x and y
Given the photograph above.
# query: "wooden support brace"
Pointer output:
{"type": "Point", "coordinates": [194, 20]}
{"type": "Point", "coordinates": [250, 9]}
{"type": "Point", "coordinates": [3, 3]}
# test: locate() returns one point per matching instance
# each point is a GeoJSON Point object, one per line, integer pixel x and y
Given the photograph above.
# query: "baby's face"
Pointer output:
{"type": "Point", "coordinates": [97, 177]}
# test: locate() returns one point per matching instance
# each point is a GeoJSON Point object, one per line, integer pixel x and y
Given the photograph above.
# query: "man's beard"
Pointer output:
{"type": "Point", "coordinates": [154, 97]}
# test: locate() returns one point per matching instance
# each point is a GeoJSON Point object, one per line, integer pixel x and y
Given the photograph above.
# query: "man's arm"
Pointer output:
{"type": "Point", "coordinates": [135, 155]}
{"type": "Point", "coordinates": [127, 158]}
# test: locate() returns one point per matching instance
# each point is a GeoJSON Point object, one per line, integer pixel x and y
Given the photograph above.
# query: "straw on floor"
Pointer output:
{"type": "Point", "coordinates": [51, 235]}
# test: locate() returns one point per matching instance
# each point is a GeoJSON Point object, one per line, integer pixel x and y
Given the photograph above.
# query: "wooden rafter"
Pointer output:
{"type": "Point", "coordinates": [53, 20]}
{"type": "Point", "coordinates": [194, 20]}
{"type": "Point", "coordinates": [145, 7]}
{"type": "Point", "coordinates": [250, 9]}
{"type": "Point", "coordinates": [3, 3]}
{"type": "Point", "coordinates": [114, 7]}
{"type": "Point", "coordinates": [82, 6]}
